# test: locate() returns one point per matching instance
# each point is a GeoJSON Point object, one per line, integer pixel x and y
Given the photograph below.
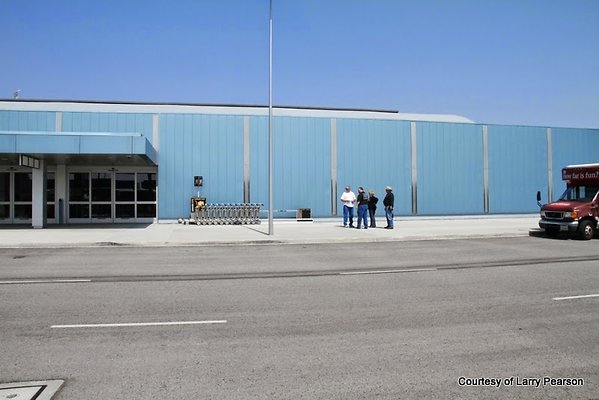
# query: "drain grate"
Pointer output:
{"type": "Point", "coordinates": [37, 390]}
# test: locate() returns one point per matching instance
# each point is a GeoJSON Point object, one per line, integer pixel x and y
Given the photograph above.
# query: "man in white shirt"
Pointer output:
{"type": "Point", "coordinates": [348, 198]}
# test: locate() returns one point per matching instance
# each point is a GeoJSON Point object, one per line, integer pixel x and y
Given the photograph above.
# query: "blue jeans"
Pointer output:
{"type": "Point", "coordinates": [363, 215]}
{"type": "Point", "coordinates": [371, 213]}
{"type": "Point", "coordinates": [389, 216]}
{"type": "Point", "coordinates": [348, 213]}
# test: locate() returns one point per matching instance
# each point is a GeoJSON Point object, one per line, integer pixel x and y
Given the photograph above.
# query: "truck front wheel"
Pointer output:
{"type": "Point", "coordinates": [586, 230]}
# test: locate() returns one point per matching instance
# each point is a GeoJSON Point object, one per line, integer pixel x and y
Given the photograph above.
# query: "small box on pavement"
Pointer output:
{"type": "Point", "coordinates": [304, 214]}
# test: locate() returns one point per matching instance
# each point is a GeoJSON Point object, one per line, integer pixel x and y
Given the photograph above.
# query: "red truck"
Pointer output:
{"type": "Point", "coordinates": [577, 210]}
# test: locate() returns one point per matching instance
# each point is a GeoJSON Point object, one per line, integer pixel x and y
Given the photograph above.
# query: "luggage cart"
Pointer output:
{"type": "Point", "coordinates": [224, 213]}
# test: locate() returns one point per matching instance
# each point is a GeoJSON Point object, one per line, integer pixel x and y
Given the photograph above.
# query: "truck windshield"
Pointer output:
{"type": "Point", "coordinates": [580, 193]}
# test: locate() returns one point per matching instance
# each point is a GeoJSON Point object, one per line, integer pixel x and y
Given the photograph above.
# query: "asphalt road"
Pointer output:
{"type": "Point", "coordinates": [410, 320]}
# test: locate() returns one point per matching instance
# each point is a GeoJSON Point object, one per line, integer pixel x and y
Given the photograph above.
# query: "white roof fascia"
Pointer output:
{"type": "Point", "coordinates": [60, 106]}
{"type": "Point", "coordinates": [594, 165]}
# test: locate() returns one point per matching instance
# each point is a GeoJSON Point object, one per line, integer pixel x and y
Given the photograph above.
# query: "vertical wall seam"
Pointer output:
{"type": "Point", "coordinates": [246, 159]}
{"type": "Point", "coordinates": [414, 155]}
{"type": "Point", "coordinates": [58, 121]}
{"type": "Point", "coordinates": [156, 145]}
{"type": "Point", "coordinates": [334, 167]}
{"type": "Point", "coordinates": [156, 132]}
{"type": "Point", "coordinates": [549, 165]}
{"type": "Point", "coordinates": [485, 134]}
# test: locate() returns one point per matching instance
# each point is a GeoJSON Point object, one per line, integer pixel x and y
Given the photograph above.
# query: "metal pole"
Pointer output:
{"type": "Point", "coordinates": [270, 161]}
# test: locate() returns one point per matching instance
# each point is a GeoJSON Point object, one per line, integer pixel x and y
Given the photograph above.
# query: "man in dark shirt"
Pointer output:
{"type": "Point", "coordinates": [372, 200]}
{"type": "Point", "coordinates": [388, 202]}
{"type": "Point", "coordinates": [362, 208]}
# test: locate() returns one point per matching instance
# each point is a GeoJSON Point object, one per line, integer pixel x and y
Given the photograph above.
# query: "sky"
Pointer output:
{"type": "Point", "coordinates": [520, 62]}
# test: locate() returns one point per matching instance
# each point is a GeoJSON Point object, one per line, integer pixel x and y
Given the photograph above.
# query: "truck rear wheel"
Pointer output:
{"type": "Point", "coordinates": [586, 230]}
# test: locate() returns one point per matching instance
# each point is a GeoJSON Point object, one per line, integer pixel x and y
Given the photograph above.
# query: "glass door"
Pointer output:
{"type": "Point", "coordinates": [90, 196]}
{"type": "Point", "coordinates": [79, 198]}
{"type": "Point", "coordinates": [145, 196]}
{"type": "Point", "coordinates": [16, 194]}
{"type": "Point", "coordinates": [5, 217]}
{"type": "Point", "coordinates": [111, 196]}
{"type": "Point", "coordinates": [101, 188]}
{"type": "Point", "coordinates": [22, 197]}
{"type": "Point", "coordinates": [51, 197]}
{"type": "Point", "coordinates": [124, 196]}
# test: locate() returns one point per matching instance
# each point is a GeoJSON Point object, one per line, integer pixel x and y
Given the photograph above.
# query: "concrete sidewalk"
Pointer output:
{"type": "Point", "coordinates": [326, 230]}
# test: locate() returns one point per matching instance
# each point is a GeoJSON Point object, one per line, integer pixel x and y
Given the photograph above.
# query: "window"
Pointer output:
{"type": "Point", "coordinates": [79, 186]}
{"type": "Point", "coordinates": [146, 186]}
{"type": "Point", "coordinates": [580, 193]}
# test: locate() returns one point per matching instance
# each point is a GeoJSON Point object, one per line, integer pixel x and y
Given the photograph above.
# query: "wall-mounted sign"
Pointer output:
{"type": "Point", "coordinates": [28, 161]}
{"type": "Point", "coordinates": [581, 172]}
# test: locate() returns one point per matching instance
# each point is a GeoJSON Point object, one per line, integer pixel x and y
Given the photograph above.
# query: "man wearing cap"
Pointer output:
{"type": "Point", "coordinates": [388, 203]}
{"type": "Point", "coordinates": [348, 198]}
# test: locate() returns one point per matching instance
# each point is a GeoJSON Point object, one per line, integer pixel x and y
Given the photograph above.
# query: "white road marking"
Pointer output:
{"type": "Point", "coordinates": [388, 271]}
{"type": "Point", "coordinates": [44, 281]}
{"type": "Point", "coordinates": [576, 297]}
{"type": "Point", "coordinates": [139, 324]}
{"type": "Point", "coordinates": [40, 390]}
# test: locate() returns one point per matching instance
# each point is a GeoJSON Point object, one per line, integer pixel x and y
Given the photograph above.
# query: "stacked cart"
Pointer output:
{"type": "Point", "coordinates": [225, 213]}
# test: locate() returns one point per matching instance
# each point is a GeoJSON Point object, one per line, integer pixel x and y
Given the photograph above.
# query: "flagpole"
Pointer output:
{"type": "Point", "coordinates": [270, 145]}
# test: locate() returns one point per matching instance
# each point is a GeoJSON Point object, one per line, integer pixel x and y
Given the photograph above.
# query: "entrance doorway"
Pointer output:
{"type": "Point", "coordinates": [16, 194]}
{"type": "Point", "coordinates": [107, 196]}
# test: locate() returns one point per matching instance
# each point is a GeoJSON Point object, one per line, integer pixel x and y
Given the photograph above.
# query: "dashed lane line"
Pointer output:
{"type": "Point", "coordinates": [30, 281]}
{"type": "Point", "coordinates": [584, 296]}
{"type": "Point", "coordinates": [138, 324]}
{"type": "Point", "coordinates": [387, 271]}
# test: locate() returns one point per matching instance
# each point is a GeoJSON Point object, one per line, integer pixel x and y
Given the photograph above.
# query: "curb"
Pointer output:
{"type": "Point", "coordinates": [267, 242]}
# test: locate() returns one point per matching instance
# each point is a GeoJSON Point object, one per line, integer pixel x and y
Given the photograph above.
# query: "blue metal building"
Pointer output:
{"type": "Point", "coordinates": [132, 162]}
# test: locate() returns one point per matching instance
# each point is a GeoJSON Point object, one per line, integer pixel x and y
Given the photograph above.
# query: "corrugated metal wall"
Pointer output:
{"type": "Point", "coordinates": [206, 145]}
{"type": "Point", "coordinates": [302, 163]}
{"type": "Point", "coordinates": [450, 168]}
{"type": "Point", "coordinates": [457, 167]}
{"type": "Point", "coordinates": [27, 121]}
{"type": "Point", "coordinates": [375, 154]}
{"type": "Point", "coordinates": [108, 122]}
{"type": "Point", "coordinates": [259, 160]}
{"type": "Point", "coordinates": [572, 146]}
{"type": "Point", "coordinates": [517, 168]}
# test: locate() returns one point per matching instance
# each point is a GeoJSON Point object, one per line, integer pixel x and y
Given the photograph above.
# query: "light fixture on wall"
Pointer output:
{"type": "Point", "coordinates": [198, 180]}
